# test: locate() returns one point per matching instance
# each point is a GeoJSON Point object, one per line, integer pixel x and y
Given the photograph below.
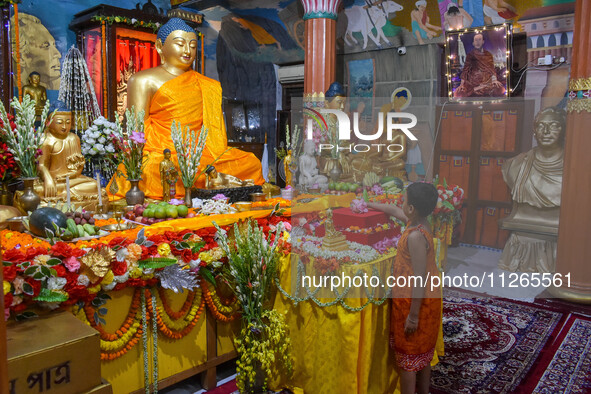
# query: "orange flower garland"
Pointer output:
{"type": "Point", "coordinates": [125, 337]}
{"type": "Point", "coordinates": [167, 331]}
{"type": "Point", "coordinates": [185, 308]}
{"type": "Point", "coordinates": [131, 317]}
{"type": "Point", "coordinates": [211, 305]}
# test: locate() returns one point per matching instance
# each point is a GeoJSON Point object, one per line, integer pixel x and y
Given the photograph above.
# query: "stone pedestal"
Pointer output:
{"type": "Point", "coordinates": [531, 247]}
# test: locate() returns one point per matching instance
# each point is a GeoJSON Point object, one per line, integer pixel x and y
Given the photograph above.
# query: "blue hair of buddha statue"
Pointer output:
{"type": "Point", "coordinates": [172, 25]}
{"type": "Point", "coordinates": [335, 89]}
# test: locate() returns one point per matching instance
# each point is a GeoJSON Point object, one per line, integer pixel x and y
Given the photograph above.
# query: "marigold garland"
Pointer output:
{"type": "Point", "coordinates": [211, 305]}
{"type": "Point", "coordinates": [178, 329]}
{"type": "Point", "coordinates": [116, 345]}
{"type": "Point", "coordinates": [184, 309]}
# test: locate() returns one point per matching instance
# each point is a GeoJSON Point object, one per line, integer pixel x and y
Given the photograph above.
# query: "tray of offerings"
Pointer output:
{"type": "Point", "coordinates": [234, 194]}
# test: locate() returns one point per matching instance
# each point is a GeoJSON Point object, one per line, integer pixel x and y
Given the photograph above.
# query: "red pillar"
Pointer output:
{"type": "Point", "coordinates": [320, 29]}
{"type": "Point", "coordinates": [574, 231]}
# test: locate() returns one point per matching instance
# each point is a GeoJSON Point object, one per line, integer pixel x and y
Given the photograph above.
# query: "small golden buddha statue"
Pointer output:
{"type": "Point", "coordinates": [333, 239]}
{"type": "Point", "coordinates": [393, 161]}
{"type": "Point", "coordinates": [62, 157]}
{"type": "Point", "coordinates": [335, 99]}
{"type": "Point", "coordinates": [535, 180]}
{"type": "Point", "coordinates": [219, 180]}
{"type": "Point", "coordinates": [37, 92]}
{"type": "Point", "coordinates": [169, 175]}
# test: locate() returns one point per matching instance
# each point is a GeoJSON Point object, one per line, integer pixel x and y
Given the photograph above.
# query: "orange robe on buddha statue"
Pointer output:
{"type": "Point", "coordinates": [182, 100]}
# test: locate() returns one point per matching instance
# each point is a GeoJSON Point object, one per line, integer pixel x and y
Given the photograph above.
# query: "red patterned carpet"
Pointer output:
{"type": "Point", "coordinates": [226, 388]}
{"type": "Point", "coordinates": [490, 343]}
{"type": "Point", "coordinates": [566, 368]}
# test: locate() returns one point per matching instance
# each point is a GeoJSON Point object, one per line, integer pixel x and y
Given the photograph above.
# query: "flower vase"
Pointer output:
{"type": "Point", "coordinates": [5, 195]}
{"type": "Point", "coordinates": [29, 200]}
{"type": "Point", "coordinates": [335, 172]}
{"type": "Point", "coordinates": [134, 195]}
{"type": "Point", "coordinates": [188, 200]}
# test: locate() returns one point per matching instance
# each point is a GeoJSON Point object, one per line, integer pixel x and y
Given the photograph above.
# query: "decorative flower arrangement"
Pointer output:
{"type": "Point", "coordinates": [189, 146]}
{"type": "Point", "coordinates": [359, 206]}
{"type": "Point", "coordinates": [251, 270]}
{"type": "Point", "coordinates": [97, 140]}
{"type": "Point", "coordinates": [387, 244]}
{"type": "Point", "coordinates": [216, 207]}
{"type": "Point", "coordinates": [129, 144]}
{"type": "Point", "coordinates": [25, 141]}
{"type": "Point", "coordinates": [8, 166]}
{"type": "Point", "coordinates": [357, 253]}
{"type": "Point", "coordinates": [450, 198]}
{"type": "Point", "coordinates": [130, 21]}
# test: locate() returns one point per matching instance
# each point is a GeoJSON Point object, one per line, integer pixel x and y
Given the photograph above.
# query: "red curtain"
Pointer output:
{"type": "Point", "coordinates": [142, 53]}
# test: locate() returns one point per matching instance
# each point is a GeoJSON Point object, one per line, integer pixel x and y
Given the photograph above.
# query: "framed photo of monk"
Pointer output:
{"type": "Point", "coordinates": [477, 62]}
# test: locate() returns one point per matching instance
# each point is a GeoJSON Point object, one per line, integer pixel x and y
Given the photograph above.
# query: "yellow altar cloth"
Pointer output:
{"type": "Point", "coordinates": [335, 350]}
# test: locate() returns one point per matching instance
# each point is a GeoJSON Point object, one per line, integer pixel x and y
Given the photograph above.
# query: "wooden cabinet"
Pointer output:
{"type": "Point", "coordinates": [473, 142]}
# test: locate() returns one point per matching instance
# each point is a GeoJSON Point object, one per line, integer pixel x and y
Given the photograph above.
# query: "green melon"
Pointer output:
{"type": "Point", "coordinates": [43, 218]}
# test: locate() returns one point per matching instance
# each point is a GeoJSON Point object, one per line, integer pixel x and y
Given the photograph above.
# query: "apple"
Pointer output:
{"type": "Point", "coordinates": [139, 209]}
{"type": "Point", "coordinates": [151, 221]}
{"type": "Point", "coordinates": [191, 215]}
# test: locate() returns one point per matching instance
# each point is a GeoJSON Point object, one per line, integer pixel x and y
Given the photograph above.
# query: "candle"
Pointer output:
{"type": "Point", "coordinates": [98, 186]}
{"type": "Point", "coordinates": [68, 191]}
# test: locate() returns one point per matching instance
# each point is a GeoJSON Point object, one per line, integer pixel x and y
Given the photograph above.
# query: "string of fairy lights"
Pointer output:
{"type": "Point", "coordinates": [453, 34]}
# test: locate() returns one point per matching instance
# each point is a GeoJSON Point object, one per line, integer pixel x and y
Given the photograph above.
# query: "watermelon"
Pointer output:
{"type": "Point", "coordinates": [43, 218]}
{"type": "Point", "coordinates": [386, 179]}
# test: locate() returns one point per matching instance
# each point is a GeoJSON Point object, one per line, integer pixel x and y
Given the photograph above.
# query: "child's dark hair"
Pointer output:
{"type": "Point", "coordinates": [422, 196]}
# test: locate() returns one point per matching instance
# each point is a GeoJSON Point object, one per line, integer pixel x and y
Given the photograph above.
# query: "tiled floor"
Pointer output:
{"type": "Point", "coordinates": [477, 269]}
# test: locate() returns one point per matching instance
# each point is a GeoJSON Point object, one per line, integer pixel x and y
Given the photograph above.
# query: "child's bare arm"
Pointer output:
{"type": "Point", "coordinates": [417, 246]}
{"type": "Point", "coordinates": [390, 209]}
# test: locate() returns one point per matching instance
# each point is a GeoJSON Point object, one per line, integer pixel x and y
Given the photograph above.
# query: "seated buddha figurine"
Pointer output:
{"type": "Point", "coordinates": [309, 176]}
{"type": "Point", "coordinates": [62, 157]}
{"type": "Point", "coordinates": [535, 180]}
{"type": "Point", "coordinates": [173, 91]}
{"type": "Point", "coordinates": [219, 180]}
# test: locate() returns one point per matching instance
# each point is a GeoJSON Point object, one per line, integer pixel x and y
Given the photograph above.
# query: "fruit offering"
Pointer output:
{"type": "Point", "coordinates": [155, 213]}
{"type": "Point", "coordinates": [344, 187]}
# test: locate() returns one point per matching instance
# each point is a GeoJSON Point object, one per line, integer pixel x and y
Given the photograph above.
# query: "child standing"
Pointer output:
{"type": "Point", "coordinates": [416, 309]}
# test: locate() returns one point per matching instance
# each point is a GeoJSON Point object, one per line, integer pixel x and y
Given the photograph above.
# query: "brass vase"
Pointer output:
{"type": "Point", "coordinates": [29, 200]}
{"type": "Point", "coordinates": [5, 195]}
{"type": "Point", "coordinates": [134, 195]}
{"type": "Point", "coordinates": [188, 200]}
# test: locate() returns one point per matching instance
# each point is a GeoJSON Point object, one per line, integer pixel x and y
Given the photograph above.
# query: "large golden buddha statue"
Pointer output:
{"type": "Point", "coordinates": [535, 180]}
{"type": "Point", "coordinates": [37, 92]}
{"type": "Point", "coordinates": [62, 157]}
{"type": "Point", "coordinates": [173, 91]}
